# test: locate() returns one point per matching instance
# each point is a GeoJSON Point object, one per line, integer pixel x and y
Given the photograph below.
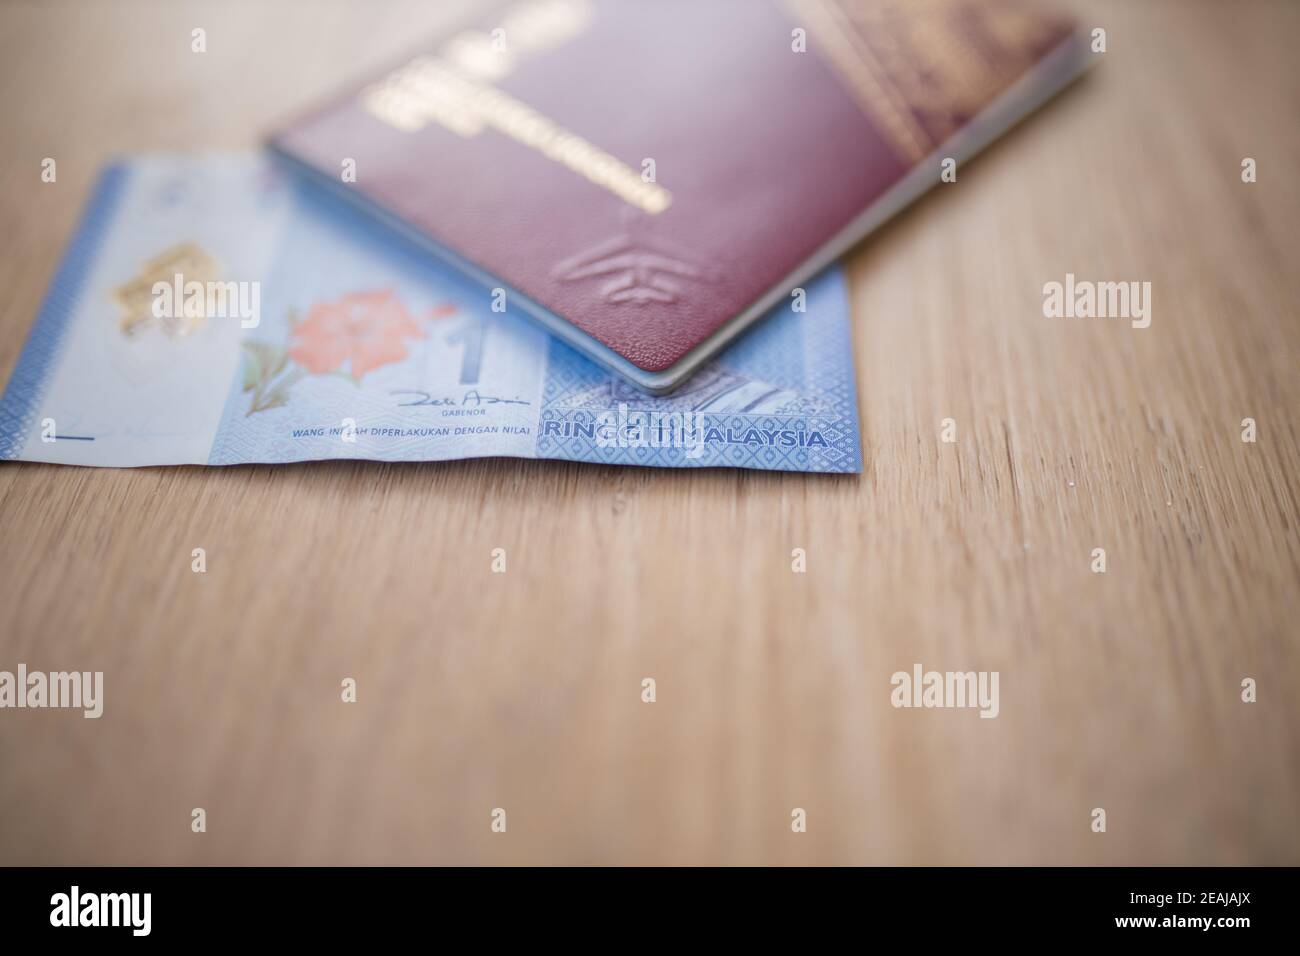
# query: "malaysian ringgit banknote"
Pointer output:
{"type": "Point", "coordinates": [216, 310]}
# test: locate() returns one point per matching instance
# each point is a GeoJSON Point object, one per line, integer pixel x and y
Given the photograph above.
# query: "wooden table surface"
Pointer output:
{"type": "Point", "coordinates": [522, 690]}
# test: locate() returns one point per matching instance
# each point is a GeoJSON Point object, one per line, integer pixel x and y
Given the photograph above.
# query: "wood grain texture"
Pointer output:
{"type": "Point", "coordinates": [522, 691]}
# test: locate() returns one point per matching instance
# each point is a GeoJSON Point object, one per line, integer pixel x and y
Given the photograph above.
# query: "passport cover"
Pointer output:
{"type": "Point", "coordinates": [647, 179]}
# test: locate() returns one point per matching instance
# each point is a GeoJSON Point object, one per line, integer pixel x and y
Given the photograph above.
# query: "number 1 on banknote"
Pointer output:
{"type": "Point", "coordinates": [470, 336]}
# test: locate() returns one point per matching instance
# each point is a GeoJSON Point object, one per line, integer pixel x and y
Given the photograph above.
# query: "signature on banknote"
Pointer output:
{"type": "Point", "coordinates": [471, 399]}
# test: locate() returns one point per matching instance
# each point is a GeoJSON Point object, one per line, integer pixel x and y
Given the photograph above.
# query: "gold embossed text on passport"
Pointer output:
{"type": "Point", "coordinates": [454, 89]}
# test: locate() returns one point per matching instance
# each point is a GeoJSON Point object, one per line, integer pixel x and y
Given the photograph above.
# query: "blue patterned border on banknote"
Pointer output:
{"type": "Point", "coordinates": [214, 310]}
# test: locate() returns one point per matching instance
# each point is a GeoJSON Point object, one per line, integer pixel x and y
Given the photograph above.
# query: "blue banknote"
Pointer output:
{"type": "Point", "coordinates": [214, 310]}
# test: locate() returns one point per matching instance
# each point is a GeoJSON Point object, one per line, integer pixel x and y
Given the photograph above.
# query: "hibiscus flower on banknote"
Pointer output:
{"type": "Point", "coordinates": [350, 336]}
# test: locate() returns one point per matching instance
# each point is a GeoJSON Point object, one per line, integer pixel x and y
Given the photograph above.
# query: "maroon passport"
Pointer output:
{"type": "Point", "coordinates": [648, 178]}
